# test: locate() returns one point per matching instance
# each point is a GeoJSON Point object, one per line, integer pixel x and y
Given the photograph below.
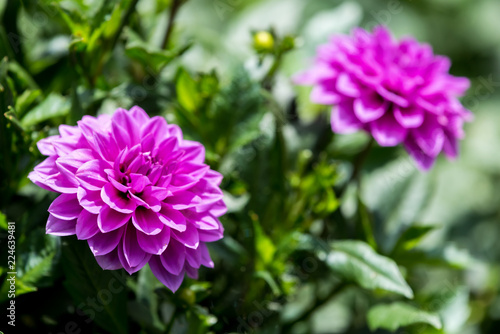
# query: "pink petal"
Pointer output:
{"type": "Point", "coordinates": [109, 219]}
{"type": "Point", "coordinates": [411, 117]}
{"type": "Point", "coordinates": [147, 221]}
{"type": "Point", "coordinates": [91, 174]}
{"type": "Point", "coordinates": [86, 225]}
{"type": "Point", "coordinates": [60, 227]}
{"type": "Point", "coordinates": [173, 282]}
{"type": "Point", "coordinates": [343, 119]}
{"type": "Point", "coordinates": [173, 257]}
{"type": "Point", "coordinates": [387, 131]}
{"type": "Point", "coordinates": [154, 244]}
{"type": "Point", "coordinates": [117, 200]}
{"type": "Point", "coordinates": [103, 243]}
{"type": "Point", "coordinates": [172, 218]}
{"type": "Point", "coordinates": [189, 237]}
{"type": "Point", "coordinates": [109, 261]}
{"type": "Point", "coordinates": [369, 107]}
{"type": "Point", "coordinates": [65, 207]}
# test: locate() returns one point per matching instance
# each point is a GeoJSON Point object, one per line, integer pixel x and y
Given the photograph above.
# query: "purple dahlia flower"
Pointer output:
{"type": "Point", "coordinates": [136, 191]}
{"type": "Point", "coordinates": [400, 92]}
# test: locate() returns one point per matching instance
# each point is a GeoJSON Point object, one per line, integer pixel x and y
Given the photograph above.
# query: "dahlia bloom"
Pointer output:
{"type": "Point", "coordinates": [136, 191]}
{"type": "Point", "coordinates": [400, 92]}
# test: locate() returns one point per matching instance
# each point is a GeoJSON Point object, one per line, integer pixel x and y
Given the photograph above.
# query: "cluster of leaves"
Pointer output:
{"type": "Point", "coordinates": [321, 234]}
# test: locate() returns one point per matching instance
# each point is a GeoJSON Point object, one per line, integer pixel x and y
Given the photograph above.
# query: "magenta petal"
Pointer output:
{"type": "Point", "coordinates": [429, 136]}
{"type": "Point", "coordinates": [210, 235]}
{"type": "Point", "coordinates": [193, 257]}
{"type": "Point", "coordinates": [154, 244]}
{"type": "Point", "coordinates": [138, 182]}
{"type": "Point", "coordinates": [392, 97]}
{"type": "Point", "coordinates": [91, 174]}
{"type": "Point", "coordinates": [203, 221]}
{"type": "Point", "coordinates": [387, 131]}
{"type": "Point", "coordinates": [173, 257]}
{"type": "Point", "coordinates": [117, 200]}
{"type": "Point", "coordinates": [321, 95]}
{"type": "Point", "coordinates": [90, 200]}
{"type": "Point", "coordinates": [60, 227]}
{"type": "Point", "coordinates": [347, 86]}
{"type": "Point", "coordinates": [125, 264]}
{"type": "Point", "coordinates": [218, 209]}
{"type": "Point", "coordinates": [190, 271]}
{"type": "Point", "coordinates": [193, 151]}
{"type": "Point", "coordinates": [369, 107]}
{"type": "Point", "coordinates": [173, 282]}
{"type": "Point", "coordinates": [109, 219]}
{"type": "Point", "coordinates": [66, 207]}
{"type": "Point", "coordinates": [450, 147]}
{"type": "Point", "coordinates": [109, 261]}
{"type": "Point", "coordinates": [343, 119]}
{"type": "Point", "coordinates": [132, 251]}
{"type": "Point", "coordinates": [147, 221]}
{"type": "Point", "coordinates": [86, 225]}
{"type": "Point", "coordinates": [131, 132]}
{"type": "Point", "coordinates": [183, 200]}
{"type": "Point", "coordinates": [157, 126]}
{"type": "Point", "coordinates": [189, 237]}
{"type": "Point", "coordinates": [411, 117]}
{"type": "Point", "coordinates": [205, 256]}
{"type": "Point", "coordinates": [424, 161]}
{"type": "Point", "coordinates": [45, 145]}
{"type": "Point", "coordinates": [172, 218]}
{"type": "Point", "coordinates": [103, 243]}
{"type": "Point", "coordinates": [121, 136]}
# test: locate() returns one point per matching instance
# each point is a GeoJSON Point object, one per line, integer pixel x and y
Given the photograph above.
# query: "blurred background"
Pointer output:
{"type": "Point", "coordinates": [286, 178]}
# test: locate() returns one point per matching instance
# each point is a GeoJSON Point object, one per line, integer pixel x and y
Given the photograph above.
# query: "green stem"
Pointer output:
{"type": "Point", "coordinates": [358, 164]}
{"type": "Point", "coordinates": [174, 8]}
{"type": "Point", "coordinates": [268, 79]}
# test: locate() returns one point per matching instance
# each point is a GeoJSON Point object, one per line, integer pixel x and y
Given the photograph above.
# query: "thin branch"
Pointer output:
{"type": "Point", "coordinates": [176, 4]}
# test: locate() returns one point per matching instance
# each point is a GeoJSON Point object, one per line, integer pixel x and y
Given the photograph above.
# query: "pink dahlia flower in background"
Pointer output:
{"type": "Point", "coordinates": [400, 92]}
{"type": "Point", "coordinates": [136, 191]}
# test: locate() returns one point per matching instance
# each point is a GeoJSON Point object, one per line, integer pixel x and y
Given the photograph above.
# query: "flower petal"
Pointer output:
{"type": "Point", "coordinates": [343, 120]}
{"type": "Point", "coordinates": [147, 221]}
{"type": "Point", "coordinates": [173, 282]}
{"type": "Point", "coordinates": [387, 131]}
{"type": "Point", "coordinates": [65, 207]}
{"type": "Point", "coordinates": [117, 200]}
{"type": "Point", "coordinates": [103, 243]}
{"type": "Point", "coordinates": [173, 257]}
{"type": "Point", "coordinates": [154, 244]}
{"type": "Point", "coordinates": [60, 227]}
{"type": "Point", "coordinates": [86, 225]}
{"type": "Point", "coordinates": [109, 220]}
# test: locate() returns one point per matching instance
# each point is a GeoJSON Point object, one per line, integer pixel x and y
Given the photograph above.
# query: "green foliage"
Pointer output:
{"type": "Point", "coordinates": [88, 285]}
{"type": "Point", "coordinates": [357, 261]}
{"type": "Point", "coordinates": [396, 315]}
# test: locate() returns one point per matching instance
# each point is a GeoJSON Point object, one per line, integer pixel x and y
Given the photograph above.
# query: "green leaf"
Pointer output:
{"type": "Point", "coordinates": [86, 280]}
{"type": "Point", "coordinates": [54, 105]}
{"type": "Point", "coordinates": [154, 59]}
{"type": "Point", "coordinates": [412, 237]}
{"type": "Point", "coordinates": [357, 261]}
{"type": "Point", "coordinates": [187, 91]}
{"type": "Point", "coordinates": [263, 244]}
{"type": "Point", "coordinates": [26, 99]}
{"type": "Point", "coordinates": [35, 265]}
{"type": "Point", "coordinates": [398, 314]}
